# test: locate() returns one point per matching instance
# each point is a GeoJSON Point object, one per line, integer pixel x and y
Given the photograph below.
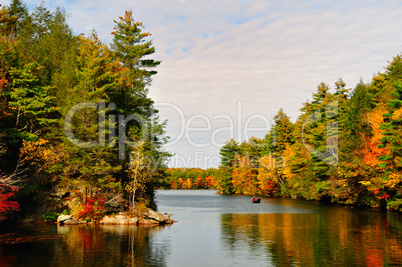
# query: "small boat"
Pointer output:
{"type": "Point", "coordinates": [256, 200]}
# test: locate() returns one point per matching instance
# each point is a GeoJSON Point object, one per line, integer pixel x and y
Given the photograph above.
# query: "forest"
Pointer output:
{"type": "Point", "coordinates": [345, 147]}
{"type": "Point", "coordinates": [189, 178]}
{"type": "Point", "coordinates": [78, 132]}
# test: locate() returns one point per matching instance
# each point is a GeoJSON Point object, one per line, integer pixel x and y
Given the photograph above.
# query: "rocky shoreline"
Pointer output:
{"type": "Point", "coordinates": [149, 217]}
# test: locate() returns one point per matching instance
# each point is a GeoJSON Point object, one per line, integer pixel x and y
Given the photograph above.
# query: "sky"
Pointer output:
{"type": "Point", "coordinates": [228, 66]}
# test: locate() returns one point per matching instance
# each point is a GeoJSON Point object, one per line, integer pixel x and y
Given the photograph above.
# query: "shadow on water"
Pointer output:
{"type": "Point", "coordinates": [53, 245]}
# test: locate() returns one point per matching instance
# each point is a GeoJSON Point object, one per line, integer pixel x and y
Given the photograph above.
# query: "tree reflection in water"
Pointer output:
{"type": "Point", "coordinates": [335, 237]}
{"type": "Point", "coordinates": [111, 244]}
{"type": "Point", "coordinates": [85, 245]}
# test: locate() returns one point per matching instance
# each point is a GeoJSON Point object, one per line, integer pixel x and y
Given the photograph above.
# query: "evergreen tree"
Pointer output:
{"type": "Point", "coordinates": [19, 10]}
{"type": "Point", "coordinates": [281, 131]}
{"type": "Point", "coordinates": [393, 131]}
{"type": "Point", "coordinates": [131, 46]}
{"type": "Point", "coordinates": [229, 153]}
{"type": "Point", "coordinates": [318, 128]}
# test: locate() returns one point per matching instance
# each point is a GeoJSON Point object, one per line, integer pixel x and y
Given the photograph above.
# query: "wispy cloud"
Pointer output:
{"type": "Point", "coordinates": [267, 54]}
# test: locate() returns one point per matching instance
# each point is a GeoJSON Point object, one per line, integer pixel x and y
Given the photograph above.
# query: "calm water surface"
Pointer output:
{"type": "Point", "coordinates": [216, 230]}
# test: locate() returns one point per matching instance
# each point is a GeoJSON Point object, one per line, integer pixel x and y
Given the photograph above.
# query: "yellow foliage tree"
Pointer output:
{"type": "Point", "coordinates": [269, 175]}
{"type": "Point", "coordinates": [188, 184]}
{"type": "Point", "coordinates": [137, 172]}
{"type": "Point", "coordinates": [209, 181]}
{"type": "Point", "coordinates": [370, 150]}
{"type": "Point", "coordinates": [244, 177]}
{"type": "Point", "coordinates": [180, 183]}
{"type": "Point", "coordinates": [40, 155]}
{"type": "Point", "coordinates": [199, 183]}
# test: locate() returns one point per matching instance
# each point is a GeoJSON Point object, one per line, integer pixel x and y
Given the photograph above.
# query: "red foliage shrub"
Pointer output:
{"type": "Point", "coordinates": [7, 206]}
{"type": "Point", "coordinates": [93, 209]}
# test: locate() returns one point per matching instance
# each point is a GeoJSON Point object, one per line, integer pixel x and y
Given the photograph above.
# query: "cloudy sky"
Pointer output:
{"type": "Point", "coordinates": [230, 65]}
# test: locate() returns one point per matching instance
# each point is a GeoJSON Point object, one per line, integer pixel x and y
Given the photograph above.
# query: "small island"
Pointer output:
{"type": "Point", "coordinates": [149, 217]}
{"type": "Point", "coordinates": [79, 134]}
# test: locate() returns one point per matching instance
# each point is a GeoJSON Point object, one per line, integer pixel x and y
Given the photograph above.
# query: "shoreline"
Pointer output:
{"type": "Point", "coordinates": [149, 217]}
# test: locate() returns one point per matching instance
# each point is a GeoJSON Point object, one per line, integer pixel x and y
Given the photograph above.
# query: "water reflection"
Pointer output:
{"type": "Point", "coordinates": [84, 246]}
{"type": "Point", "coordinates": [327, 238]}
{"type": "Point", "coordinates": [215, 230]}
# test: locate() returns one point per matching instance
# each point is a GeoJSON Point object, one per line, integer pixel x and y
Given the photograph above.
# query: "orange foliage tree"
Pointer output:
{"type": "Point", "coordinates": [269, 176]}
{"type": "Point", "coordinates": [199, 182]}
{"type": "Point", "coordinates": [209, 181]}
{"type": "Point", "coordinates": [244, 178]}
{"type": "Point", "coordinates": [370, 148]}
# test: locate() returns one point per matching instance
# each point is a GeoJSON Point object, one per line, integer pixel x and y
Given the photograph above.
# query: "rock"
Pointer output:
{"type": "Point", "coordinates": [150, 217]}
{"type": "Point", "coordinates": [66, 219]}
{"type": "Point", "coordinates": [121, 219]}
{"type": "Point", "coordinates": [63, 218]}
{"type": "Point", "coordinates": [60, 193]}
{"type": "Point", "coordinates": [133, 221]}
{"type": "Point", "coordinates": [107, 220]}
{"type": "Point", "coordinates": [70, 222]}
{"type": "Point", "coordinates": [147, 222]}
{"type": "Point", "coordinates": [116, 204]}
{"type": "Point", "coordinates": [169, 221]}
{"type": "Point", "coordinates": [153, 215]}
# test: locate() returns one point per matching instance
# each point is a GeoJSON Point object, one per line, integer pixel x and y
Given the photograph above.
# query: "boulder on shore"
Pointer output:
{"type": "Point", "coordinates": [156, 216]}
{"type": "Point", "coordinates": [66, 219]}
{"type": "Point", "coordinates": [149, 217]}
{"type": "Point", "coordinates": [107, 220]}
{"type": "Point", "coordinates": [147, 222]}
{"type": "Point", "coordinates": [119, 219]}
{"type": "Point", "coordinates": [133, 221]}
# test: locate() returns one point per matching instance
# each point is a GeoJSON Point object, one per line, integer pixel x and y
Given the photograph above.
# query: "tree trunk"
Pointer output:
{"type": "Point", "coordinates": [134, 189]}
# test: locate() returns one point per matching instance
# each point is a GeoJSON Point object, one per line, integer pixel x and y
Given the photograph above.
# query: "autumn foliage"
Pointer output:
{"type": "Point", "coordinates": [190, 178]}
{"type": "Point", "coordinates": [370, 149]}
{"type": "Point", "coordinates": [7, 206]}
{"type": "Point", "coordinates": [45, 72]}
{"type": "Point", "coordinates": [93, 208]}
{"type": "Point", "coordinates": [345, 147]}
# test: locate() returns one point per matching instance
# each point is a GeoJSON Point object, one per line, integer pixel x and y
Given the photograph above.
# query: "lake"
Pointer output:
{"type": "Point", "coordinates": [217, 230]}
